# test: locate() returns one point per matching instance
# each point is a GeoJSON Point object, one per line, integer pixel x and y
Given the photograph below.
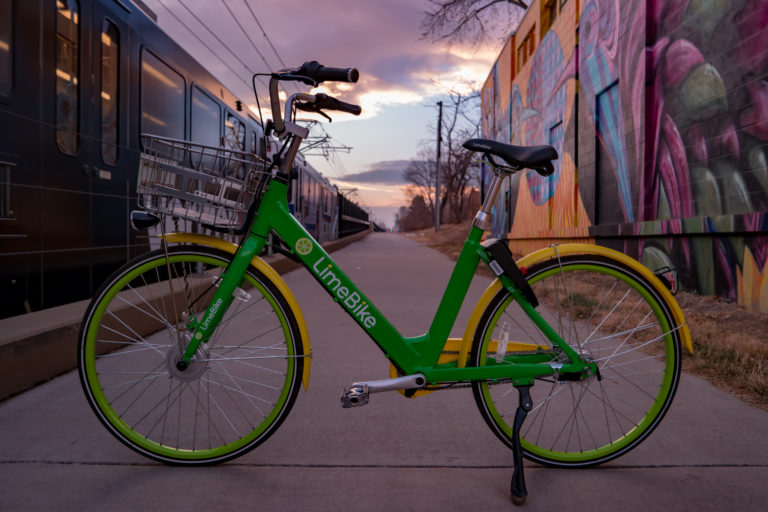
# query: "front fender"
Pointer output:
{"type": "Point", "coordinates": [563, 250]}
{"type": "Point", "coordinates": [269, 272]}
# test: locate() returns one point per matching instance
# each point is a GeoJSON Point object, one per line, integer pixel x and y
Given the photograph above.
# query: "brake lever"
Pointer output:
{"type": "Point", "coordinates": [309, 107]}
{"type": "Point", "coordinates": [298, 78]}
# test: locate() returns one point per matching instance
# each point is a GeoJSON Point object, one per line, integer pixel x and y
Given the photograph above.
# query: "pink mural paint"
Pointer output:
{"type": "Point", "coordinates": [751, 25]}
{"type": "Point", "coordinates": [682, 176]}
{"type": "Point", "coordinates": [668, 178]}
{"type": "Point", "coordinates": [674, 96]}
{"type": "Point", "coordinates": [698, 144]}
{"type": "Point", "coordinates": [754, 119]}
{"type": "Point", "coordinates": [729, 139]}
{"type": "Point", "coordinates": [681, 58]}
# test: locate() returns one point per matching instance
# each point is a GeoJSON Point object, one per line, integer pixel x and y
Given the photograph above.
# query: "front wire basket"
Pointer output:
{"type": "Point", "coordinates": [210, 185]}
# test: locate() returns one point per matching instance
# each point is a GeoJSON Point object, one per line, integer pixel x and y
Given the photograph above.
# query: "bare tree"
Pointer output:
{"type": "Point", "coordinates": [459, 169]}
{"type": "Point", "coordinates": [471, 21]}
{"type": "Point", "coordinates": [420, 175]}
{"type": "Point", "coordinates": [416, 216]}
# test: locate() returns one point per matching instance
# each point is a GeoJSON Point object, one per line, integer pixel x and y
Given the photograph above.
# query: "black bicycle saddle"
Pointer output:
{"type": "Point", "coordinates": [538, 158]}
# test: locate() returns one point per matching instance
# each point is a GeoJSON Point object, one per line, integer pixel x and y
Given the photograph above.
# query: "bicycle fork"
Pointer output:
{"type": "Point", "coordinates": [203, 328]}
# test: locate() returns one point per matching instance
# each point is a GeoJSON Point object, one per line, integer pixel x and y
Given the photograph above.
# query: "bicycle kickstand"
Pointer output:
{"type": "Point", "coordinates": [517, 486]}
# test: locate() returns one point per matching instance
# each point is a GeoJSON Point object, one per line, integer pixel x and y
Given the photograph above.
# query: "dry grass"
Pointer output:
{"type": "Point", "coordinates": [730, 346]}
{"type": "Point", "coordinates": [730, 341]}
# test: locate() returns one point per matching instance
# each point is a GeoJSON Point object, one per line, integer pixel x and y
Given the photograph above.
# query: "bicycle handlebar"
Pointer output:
{"type": "Point", "coordinates": [319, 73]}
{"type": "Point", "coordinates": [325, 102]}
{"type": "Point", "coordinates": [312, 73]}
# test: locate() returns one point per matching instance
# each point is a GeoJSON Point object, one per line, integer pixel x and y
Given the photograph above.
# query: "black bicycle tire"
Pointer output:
{"type": "Point", "coordinates": [293, 384]}
{"type": "Point", "coordinates": [534, 271]}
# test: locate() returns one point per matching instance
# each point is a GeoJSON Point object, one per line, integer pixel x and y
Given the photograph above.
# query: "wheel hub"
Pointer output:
{"type": "Point", "coordinates": [193, 370]}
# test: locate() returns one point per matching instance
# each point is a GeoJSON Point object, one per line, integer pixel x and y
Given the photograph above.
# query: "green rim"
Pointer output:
{"type": "Point", "coordinates": [134, 437]}
{"type": "Point", "coordinates": [617, 446]}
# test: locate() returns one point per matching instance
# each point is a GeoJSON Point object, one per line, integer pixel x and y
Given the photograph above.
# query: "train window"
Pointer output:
{"type": "Point", "coordinates": [110, 59]}
{"type": "Point", "coordinates": [234, 139]}
{"type": "Point", "coordinates": [162, 98]}
{"type": "Point", "coordinates": [324, 199]}
{"type": "Point", "coordinates": [255, 141]}
{"type": "Point", "coordinates": [67, 74]}
{"type": "Point", "coordinates": [234, 133]}
{"type": "Point", "coordinates": [291, 200]}
{"type": "Point", "coordinates": [305, 184]}
{"type": "Point", "coordinates": [256, 144]}
{"type": "Point", "coordinates": [6, 47]}
{"type": "Point", "coordinates": [5, 191]}
{"type": "Point", "coordinates": [206, 119]}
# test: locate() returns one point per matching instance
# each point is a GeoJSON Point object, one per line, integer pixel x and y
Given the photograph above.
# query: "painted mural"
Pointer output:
{"type": "Point", "coordinates": [659, 112]}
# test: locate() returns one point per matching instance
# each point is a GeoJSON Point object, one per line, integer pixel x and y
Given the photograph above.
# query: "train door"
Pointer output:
{"type": "Point", "coordinates": [110, 164]}
{"type": "Point", "coordinates": [323, 219]}
{"type": "Point", "coordinates": [64, 233]}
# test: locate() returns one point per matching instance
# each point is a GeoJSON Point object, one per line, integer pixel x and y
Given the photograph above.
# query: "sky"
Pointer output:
{"type": "Point", "coordinates": [401, 75]}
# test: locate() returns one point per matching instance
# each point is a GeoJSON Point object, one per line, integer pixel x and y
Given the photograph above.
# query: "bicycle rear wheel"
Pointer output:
{"type": "Point", "coordinates": [609, 314]}
{"type": "Point", "coordinates": [239, 386]}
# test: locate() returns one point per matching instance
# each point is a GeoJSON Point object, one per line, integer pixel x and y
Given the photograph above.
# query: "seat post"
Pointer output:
{"type": "Point", "coordinates": [484, 219]}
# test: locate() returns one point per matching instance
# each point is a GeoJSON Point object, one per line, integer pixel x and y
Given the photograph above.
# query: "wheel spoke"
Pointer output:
{"type": "Point", "coordinates": [608, 315]}
{"type": "Point", "coordinates": [232, 393]}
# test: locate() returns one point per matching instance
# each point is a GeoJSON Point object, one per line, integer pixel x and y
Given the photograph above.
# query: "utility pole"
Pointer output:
{"type": "Point", "coordinates": [437, 165]}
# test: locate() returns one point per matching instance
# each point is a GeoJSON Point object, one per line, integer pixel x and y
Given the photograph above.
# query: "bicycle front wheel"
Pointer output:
{"type": "Point", "coordinates": [239, 386]}
{"type": "Point", "coordinates": [610, 315]}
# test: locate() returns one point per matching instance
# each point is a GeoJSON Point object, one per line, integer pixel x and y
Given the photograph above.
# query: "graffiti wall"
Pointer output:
{"type": "Point", "coordinates": [659, 112]}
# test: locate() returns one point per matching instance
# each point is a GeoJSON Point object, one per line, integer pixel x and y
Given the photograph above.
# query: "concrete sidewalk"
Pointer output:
{"type": "Point", "coordinates": [431, 453]}
{"type": "Point", "coordinates": [40, 345]}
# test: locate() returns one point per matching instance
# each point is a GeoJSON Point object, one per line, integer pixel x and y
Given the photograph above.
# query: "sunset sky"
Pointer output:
{"type": "Point", "coordinates": [381, 38]}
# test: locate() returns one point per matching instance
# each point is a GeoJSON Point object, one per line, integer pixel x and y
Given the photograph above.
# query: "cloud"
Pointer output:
{"type": "Point", "coordinates": [382, 39]}
{"type": "Point", "coordinates": [389, 173]}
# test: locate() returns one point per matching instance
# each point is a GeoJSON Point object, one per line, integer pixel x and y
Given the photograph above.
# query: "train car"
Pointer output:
{"type": "Point", "coordinates": [80, 80]}
{"type": "Point", "coordinates": [314, 201]}
{"type": "Point", "coordinates": [352, 218]}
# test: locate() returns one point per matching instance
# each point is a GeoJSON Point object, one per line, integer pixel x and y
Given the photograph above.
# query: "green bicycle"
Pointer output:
{"type": "Point", "coordinates": [194, 353]}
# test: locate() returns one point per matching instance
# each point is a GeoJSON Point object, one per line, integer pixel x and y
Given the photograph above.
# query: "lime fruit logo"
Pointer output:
{"type": "Point", "coordinates": [304, 246]}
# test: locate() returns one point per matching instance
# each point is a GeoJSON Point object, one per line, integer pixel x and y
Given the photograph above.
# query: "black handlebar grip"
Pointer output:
{"type": "Point", "coordinates": [323, 101]}
{"type": "Point", "coordinates": [337, 75]}
{"type": "Point", "coordinates": [320, 73]}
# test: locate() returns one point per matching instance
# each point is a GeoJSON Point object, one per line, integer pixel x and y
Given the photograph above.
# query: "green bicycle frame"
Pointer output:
{"type": "Point", "coordinates": [409, 355]}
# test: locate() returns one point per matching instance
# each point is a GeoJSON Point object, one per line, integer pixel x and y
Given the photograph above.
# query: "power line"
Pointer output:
{"type": "Point", "coordinates": [333, 159]}
{"type": "Point", "coordinates": [264, 33]}
{"type": "Point", "coordinates": [338, 164]}
{"type": "Point", "coordinates": [246, 33]}
{"type": "Point", "coordinates": [237, 21]}
{"type": "Point", "coordinates": [253, 44]}
{"type": "Point", "coordinates": [269, 41]}
{"type": "Point", "coordinates": [204, 43]}
{"type": "Point", "coordinates": [222, 43]}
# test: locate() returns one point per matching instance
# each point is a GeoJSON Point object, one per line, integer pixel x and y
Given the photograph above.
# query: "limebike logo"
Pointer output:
{"type": "Point", "coordinates": [352, 300]}
{"type": "Point", "coordinates": [303, 246]}
{"type": "Point", "coordinates": [211, 313]}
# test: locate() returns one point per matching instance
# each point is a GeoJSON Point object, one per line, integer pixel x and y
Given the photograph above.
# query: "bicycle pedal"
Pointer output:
{"type": "Point", "coordinates": [359, 391]}
{"type": "Point", "coordinates": [356, 396]}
